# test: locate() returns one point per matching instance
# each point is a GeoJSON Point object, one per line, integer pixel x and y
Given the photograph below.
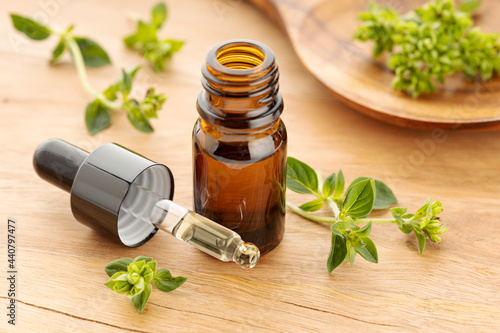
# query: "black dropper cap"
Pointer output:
{"type": "Point", "coordinates": [112, 189]}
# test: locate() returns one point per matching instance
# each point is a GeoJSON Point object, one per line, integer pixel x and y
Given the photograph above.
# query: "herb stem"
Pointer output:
{"type": "Point", "coordinates": [334, 207]}
{"type": "Point", "coordinates": [375, 221]}
{"type": "Point", "coordinates": [82, 74]}
{"type": "Point", "coordinates": [309, 216]}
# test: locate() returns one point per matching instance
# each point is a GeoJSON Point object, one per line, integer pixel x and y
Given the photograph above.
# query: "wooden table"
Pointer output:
{"type": "Point", "coordinates": [453, 286]}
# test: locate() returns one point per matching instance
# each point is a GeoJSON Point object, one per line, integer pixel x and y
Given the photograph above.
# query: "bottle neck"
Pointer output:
{"type": "Point", "coordinates": [241, 90]}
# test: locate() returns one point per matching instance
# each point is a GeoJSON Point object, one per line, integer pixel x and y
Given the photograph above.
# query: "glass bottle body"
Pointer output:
{"type": "Point", "coordinates": [239, 143]}
{"type": "Point", "coordinates": [239, 181]}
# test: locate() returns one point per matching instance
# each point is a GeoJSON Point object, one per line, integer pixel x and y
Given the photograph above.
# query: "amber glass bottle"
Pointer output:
{"type": "Point", "coordinates": [239, 143]}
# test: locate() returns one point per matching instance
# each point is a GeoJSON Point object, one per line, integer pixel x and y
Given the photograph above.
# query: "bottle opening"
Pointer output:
{"type": "Point", "coordinates": [241, 89]}
{"type": "Point", "coordinates": [240, 56]}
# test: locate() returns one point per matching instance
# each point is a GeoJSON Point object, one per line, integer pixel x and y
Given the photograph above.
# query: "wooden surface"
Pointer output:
{"type": "Point", "coordinates": [454, 286]}
{"type": "Point", "coordinates": [321, 32]}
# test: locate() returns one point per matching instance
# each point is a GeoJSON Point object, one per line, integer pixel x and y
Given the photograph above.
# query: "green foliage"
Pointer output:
{"type": "Point", "coordinates": [359, 198]}
{"type": "Point", "coordinates": [97, 116]}
{"type": "Point", "coordinates": [480, 54]}
{"type": "Point", "coordinates": [313, 206]}
{"type": "Point", "coordinates": [145, 39]}
{"type": "Point", "coordinates": [431, 43]}
{"type": "Point", "coordinates": [379, 26]}
{"type": "Point", "coordinates": [30, 28]}
{"type": "Point", "coordinates": [362, 196]}
{"type": "Point", "coordinates": [470, 6]}
{"type": "Point", "coordinates": [134, 278]}
{"type": "Point", "coordinates": [425, 222]}
{"type": "Point", "coordinates": [93, 54]}
{"type": "Point", "coordinates": [165, 282]}
{"type": "Point", "coordinates": [88, 53]}
{"type": "Point", "coordinates": [300, 177]}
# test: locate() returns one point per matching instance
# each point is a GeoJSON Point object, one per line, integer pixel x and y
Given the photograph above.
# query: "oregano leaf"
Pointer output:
{"type": "Point", "coordinates": [142, 258]}
{"type": "Point", "coordinates": [30, 28]}
{"type": "Point", "coordinates": [58, 51]}
{"type": "Point", "coordinates": [118, 265]}
{"type": "Point", "coordinates": [339, 185]}
{"type": "Point", "coordinates": [338, 252]}
{"type": "Point", "coordinates": [93, 54]}
{"type": "Point", "coordinates": [313, 206]}
{"type": "Point", "coordinates": [164, 280]}
{"type": "Point", "coordinates": [141, 299]}
{"type": "Point", "coordinates": [359, 198]}
{"type": "Point", "coordinates": [97, 117]}
{"type": "Point", "coordinates": [384, 197]}
{"type": "Point", "coordinates": [300, 177]}
{"type": "Point", "coordinates": [159, 14]}
{"type": "Point", "coordinates": [368, 251]}
{"type": "Point", "coordinates": [329, 186]}
{"type": "Point", "coordinates": [364, 231]}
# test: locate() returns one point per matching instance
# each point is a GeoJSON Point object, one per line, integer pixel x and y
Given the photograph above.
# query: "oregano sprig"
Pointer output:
{"type": "Point", "coordinates": [146, 41]}
{"type": "Point", "coordinates": [85, 52]}
{"type": "Point", "coordinates": [430, 43]}
{"type": "Point", "coordinates": [133, 277]}
{"type": "Point", "coordinates": [350, 224]}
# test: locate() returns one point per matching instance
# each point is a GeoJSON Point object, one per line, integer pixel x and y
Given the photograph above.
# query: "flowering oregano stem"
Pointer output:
{"type": "Point", "coordinates": [82, 73]}
{"type": "Point", "coordinates": [324, 219]}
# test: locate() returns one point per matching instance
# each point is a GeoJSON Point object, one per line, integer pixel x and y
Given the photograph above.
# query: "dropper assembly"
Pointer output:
{"type": "Point", "coordinates": [204, 234]}
{"type": "Point", "coordinates": [129, 198]}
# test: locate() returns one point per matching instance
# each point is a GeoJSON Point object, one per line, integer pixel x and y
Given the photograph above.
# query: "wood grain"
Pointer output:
{"type": "Point", "coordinates": [321, 32]}
{"type": "Point", "coordinates": [453, 287]}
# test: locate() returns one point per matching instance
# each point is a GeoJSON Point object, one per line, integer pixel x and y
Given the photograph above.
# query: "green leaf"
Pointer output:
{"type": "Point", "coordinates": [329, 186]}
{"type": "Point", "coordinates": [126, 84]}
{"type": "Point", "coordinates": [118, 265]}
{"type": "Point", "coordinates": [133, 72]}
{"type": "Point", "coordinates": [141, 258]}
{"type": "Point", "coordinates": [159, 14]}
{"type": "Point", "coordinates": [359, 198]}
{"type": "Point", "coordinates": [110, 92]}
{"type": "Point", "coordinates": [421, 241]}
{"type": "Point", "coordinates": [130, 40]}
{"type": "Point", "coordinates": [397, 214]}
{"type": "Point", "coordinates": [369, 251]}
{"type": "Point", "coordinates": [425, 210]}
{"type": "Point", "coordinates": [93, 54]}
{"type": "Point", "coordinates": [384, 197]}
{"type": "Point", "coordinates": [357, 180]}
{"type": "Point", "coordinates": [165, 282]}
{"type": "Point", "coordinates": [152, 265]}
{"type": "Point", "coordinates": [406, 228]}
{"type": "Point", "coordinates": [363, 232]}
{"type": "Point", "coordinates": [119, 283]}
{"type": "Point", "coordinates": [152, 103]}
{"type": "Point", "coordinates": [470, 6]}
{"type": "Point", "coordinates": [338, 252]}
{"type": "Point", "coordinates": [140, 300]}
{"type": "Point", "coordinates": [97, 117]}
{"type": "Point", "coordinates": [30, 28]}
{"type": "Point", "coordinates": [300, 177]}
{"type": "Point", "coordinates": [339, 185]}
{"type": "Point", "coordinates": [58, 51]}
{"type": "Point", "coordinates": [175, 46]}
{"type": "Point", "coordinates": [313, 206]}
{"type": "Point", "coordinates": [146, 33]}
{"type": "Point", "coordinates": [351, 254]}
{"type": "Point", "coordinates": [138, 120]}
